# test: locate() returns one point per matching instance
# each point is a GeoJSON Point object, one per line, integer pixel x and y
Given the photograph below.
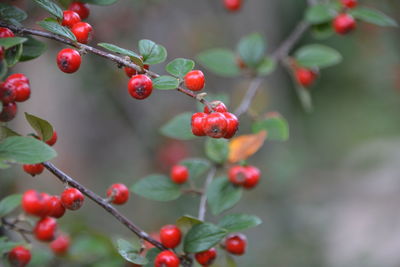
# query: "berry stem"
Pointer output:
{"type": "Point", "coordinates": [203, 199]}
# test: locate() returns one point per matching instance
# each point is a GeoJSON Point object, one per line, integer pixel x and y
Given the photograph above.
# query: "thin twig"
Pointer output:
{"type": "Point", "coordinates": [251, 92]}
{"type": "Point", "coordinates": [203, 199]}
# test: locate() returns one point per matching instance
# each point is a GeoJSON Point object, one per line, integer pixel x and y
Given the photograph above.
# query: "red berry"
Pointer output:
{"type": "Point", "coordinates": [53, 139]}
{"type": "Point", "coordinates": [70, 18]}
{"type": "Point", "coordinates": [57, 209]}
{"type": "Point", "coordinates": [23, 91]}
{"type": "Point", "coordinates": [236, 244]}
{"type": "Point", "coordinates": [72, 198]}
{"type": "Point", "coordinates": [19, 256]}
{"type": "Point", "coordinates": [5, 32]}
{"type": "Point", "coordinates": [237, 175]}
{"type": "Point", "coordinates": [36, 203]}
{"type": "Point", "coordinates": [344, 23]}
{"type": "Point", "coordinates": [215, 125]}
{"type": "Point", "coordinates": [33, 169]}
{"type": "Point", "coordinates": [68, 60]}
{"type": "Point", "coordinates": [179, 174]}
{"type": "Point", "coordinates": [232, 124]}
{"type": "Point", "coordinates": [166, 258]}
{"type": "Point", "coordinates": [207, 257]}
{"type": "Point", "coordinates": [83, 32]}
{"type": "Point", "coordinates": [233, 5]}
{"type": "Point", "coordinates": [17, 77]}
{"type": "Point", "coordinates": [197, 123]}
{"type": "Point", "coordinates": [118, 193]}
{"type": "Point", "coordinates": [240, 63]}
{"type": "Point", "coordinates": [140, 86]}
{"type": "Point", "coordinates": [8, 113]}
{"type": "Point", "coordinates": [305, 77]}
{"type": "Point", "coordinates": [8, 92]}
{"type": "Point", "coordinates": [349, 3]}
{"type": "Point", "coordinates": [45, 229]}
{"type": "Point", "coordinates": [194, 80]}
{"type": "Point", "coordinates": [60, 245]}
{"type": "Point", "coordinates": [170, 236]}
{"type": "Point", "coordinates": [130, 71]}
{"type": "Point", "coordinates": [81, 8]}
{"type": "Point", "coordinates": [252, 177]}
{"type": "Point", "coordinates": [217, 106]}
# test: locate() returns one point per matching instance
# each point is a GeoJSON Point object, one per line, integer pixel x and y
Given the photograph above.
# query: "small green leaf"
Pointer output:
{"type": "Point", "coordinates": [130, 252]}
{"type": "Point", "coordinates": [186, 222]}
{"type": "Point", "coordinates": [12, 13]}
{"type": "Point", "coordinates": [266, 66]}
{"type": "Point", "coordinates": [13, 55]}
{"type": "Point", "coordinates": [217, 149]}
{"type": "Point", "coordinates": [3, 73]}
{"type": "Point", "coordinates": [151, 256]}
{"type": "Point", "coordinates": [100, 2]}
{"type": "Point", "coordinates": [316, 55]}
{"type": "Point", "coordinates": [119, 50]}
{"type": "Point", "coordinates": [373, 16]}
{"type": "Point", "coordinates": [202, 237]}
{"type": "Point", "coordinates": [165, 82]}
{"type": "Point", "coordinates": [219, 61]}
{"type": "Point", "coordinates": [42, 127]}
{"type": "Point", "coordinates": [179, 127]}
{"type": "Point", "coordinates": [239, 222]}
{"type": "Point", "coordinates": [152, 53]}
{"type": "Point", "coordinates": [321, 13]}
{"type": "Point", "coordinates": [157, 187]}
{"type": "Point", "coordinates": [196, 166]}
{"type": "Point", "coordinates": [222, 195]}
{"type": "Point", "coordinates": [251, 49]}
{"type": "Point", "coordinates": [276, 126]}
{"type": "Point", "coordinates": [32, 49]}
{"type": "Point", "coordinates": [51, 7]}
{"type": "Point", "coordinates": [179, 67]}
{"type": "Point", "coordinates": [322, 31]}
{"type": "Point", "coordinates": [6, 132]}
{"type": "Point", "coordinates": [56, 28]}
{"type": "Point", "coordinates": [11, 41]}
{"type": "Point", "coordinates": [9, 203]}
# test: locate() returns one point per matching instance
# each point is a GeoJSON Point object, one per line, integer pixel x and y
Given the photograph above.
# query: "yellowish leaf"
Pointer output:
{"type": "Point", "coordinates": [244, 146]}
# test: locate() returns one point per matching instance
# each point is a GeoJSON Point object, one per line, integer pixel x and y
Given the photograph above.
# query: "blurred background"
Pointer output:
{"type": "Point", "coordinates": [329, 196]}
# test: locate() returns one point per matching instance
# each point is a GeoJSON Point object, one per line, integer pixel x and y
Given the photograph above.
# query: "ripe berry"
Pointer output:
{"type": "Point", "coordinates": [179, 174]}
{"type": "Point", "coordinates": [217, 106]}
{"type": "Point", "coordinates": [194, 80]}
{"type": "Point", "coordinates": [17, 77]}
{"type": "Point", "coordinates": [207, 257]}
{"type": "Point", "coordinates": [82, 31]}
{"type": "Point", "coordinates": [237, 175]}
{"type": "Point", "coordinates": [68, 60]}
{"type": "Point", "coordinates": [23, 91]}
{"type": "Point", "coordinates": [70, 18]}
{"type": "Point", "coordinates": [53, 139]}
{"type": "Point", "coordinates": [130, 71]}
{"type": "Point", "coordinates": [60, 245]}
{"type": "Point", "coordinates": [349, 3]}
{"type": "Point", "coordinates": [252, 177]}
{"type": "Point", "coordinates": [81, 8]}
{"type": "Point", "coordinates": [140, 86]}
{"type": "Point", "coordinates": [45, 229]}
{"type": "Point", "coordinates": [8, 113]}
{"type": "Point", "coordinates": [305, 77]}
{"type": "Point", "coordinates": [233, 5]}
{"type": "Point", "coordinates": [19, 256]}
{"type": "Point", "coordinates": [232, 124]}
{"type": "Point", "coordinates": [215, 125]}
{"type": "Point", "coordinates": [36, 203]}
{"type": "Point", "coordinates": [118, 193]}
{"type": "Point", "coordinates": [197, 123]}
{"type": "Point", "coordinates": [72, 198]}
{"type": "Point", "coordinates": [344, 23]}
{"type": "Point", "coordinates": [33, 169]}
{"type": "Point", "coordinates": [166, 258]}
{"type": "Point", "coordinates": [170, 236]}
{"type": "Point", "coordinates": [57, 209]}
{"type": "Point", "coordinates": [236, 244]}
{"type": "Point", "coordinates": [8, 92]}
{"type": "Point", "coordinates": [5, 32]}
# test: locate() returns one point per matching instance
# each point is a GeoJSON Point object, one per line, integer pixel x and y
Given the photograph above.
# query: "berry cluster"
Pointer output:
{"type": "Point", "coordinates": [216, 123]}
{"type": "Point", "coordinates": [344, 22]}
{"type": "Point", "coordinates": [246, 176]}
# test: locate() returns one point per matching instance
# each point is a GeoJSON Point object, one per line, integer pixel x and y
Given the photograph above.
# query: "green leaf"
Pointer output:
{"type": "Point", "coordinates": [222, 195]}
{"type": "Point", "coordinates": [152, 53]}
{"type": "Point", "coordinates": [196, 166]}
{"type": "Point", "coordinates": [316, 55]}
{"type": "Point", "coordinates": [56, 28]}
{"type": "Point", "coordinates": [202, 237]}
{"type": "Point", "coordinates": [186, 222]}
{"type": "Point", "coordinates": [11, 41]}
{"type": "Point", "coordinates": [119, 50]}
{"type": "Point", "coordinates": [3, 73]}
{"type": "Point", "coordinates": [179, 127]}
{"type": "Point", "coordinates": [165, 82]}
{"type": "Point", "coordinates": [130, 252]}
{"type": "Point", "coordinates": [321, 13]}
{"type": "Point", "coordinates": [12, 13]}
{"type": "Point", "coordinates": [266, 66]}
{"type": "Point", "coordinates": [219, 61]}
{"type": "Point", "coordinates": [322, 31]}
{"type": "Point", "coordinates": [238, 222]}
{"type": "Point", "coordinates": [6, 246]}
{"type": "Point", "coordinates": [1, 108]}
{"type": "Point", "coordinates": [151, 256]}
{"type": "Point", "coordinates": [51, 7]}
{"type": "Point", "coordinates": [251, 49]}
{"type": "Point", "coordinates": [100, 2]}
{"type": "Point", "coordinates": [157, 187]}
{"type": "Point", "coordinates": [42, 127]}
{"type": "Point", "coordinates": [32, 49]}
{"type": "Point", "coordinates": [13, 55]}
{"type": "Point", "coordinates": [25, 150]}
{"type": "Point", "coordinates": [9, 203]}
{"type": "Point", "coordinates": [373, 16]}
{"type": "Point", "coordinates": [179, 67]}
{"type": "Point", "coordinates": [6, 132]}
{"type": "Point", "coordinates": [305, 98]}
{"type": "Point", "coordinates": [217, 149]}
{"type": "Point", "coordinates": [276, 126]}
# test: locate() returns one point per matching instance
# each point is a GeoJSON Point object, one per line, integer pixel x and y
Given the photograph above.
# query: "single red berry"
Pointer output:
{"type": "Point", "coordinates": [68, 60]}
{"type": "Point", "coordinates": [179, 174]}
{"type": "Point", "coordinates": [23, 91]}
{"type": "Point", "coordinates": [232, 124]}
{"type": "Point", "coordinates": [233, 5]}
{"type": "Point", "coordinates": [207, 257]}
{"type": "Point", "coordinates": [83, 32]}
{"type": "Point", "coordinates": [252, 177]}
{"type": "Point", "coordinates": [8, 113]}
{"type": "Point", "coordinates": [236, 244]}
{"type": "Point", "coordinates": [170, 236]}
{"type": "Point", "coordinates": [237, 175]}
{"type": "Point", "coordinates": [217, 106]}
{"type": "Point", "coordinates": [8, 92]}
{"type": "Point", "coordinates": [17, 77]}
{"type": "Point", "coordinates": [140, 86]}
{"type": "Point", "coordinates": [118, 193]}
{"type": "Point", "coordinates": [194, 80]}
{"type": "Point", "coordinates": [33, 169]}
{"type": "Point", "coordinates": [35, 203]}
{"type": "Point", "coordinates": [60, 245]}
{"type": "Point", "coordinates": [215, 125]}
{"type": "Point", "coordinates": [72, 198]}
{"type": "Point", "coordinates": [57, 209]}
{"type": "Point", "coordinates": [5, 32]}
{"type": "Point", "coordinates": [349, 3]}
{"type": "Point", "coordinates": [53, 139]}
{"type": "Point", "coordinates": [81, 8]}
{"type": "Point", "coordinates": [197, 123]}
{"type": "Point", "coordinates": [344, 23]}
{"type": "Point", "coordinates": [19, 256]}
{"type": "Point", "coordinates": [166, 258]}
{"type": "Point", "coordinates": [70, 18]}
{"type": "Point", "coordinates": [305, 77]}
{"type": "Point", "coordinates": [45, 229]}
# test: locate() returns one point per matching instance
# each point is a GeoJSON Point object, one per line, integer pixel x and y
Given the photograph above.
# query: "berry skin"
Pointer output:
{"type": "Point", "coordinates": [57, 209]}
{"type": "Point", "coordinates": [82, 31]}
{"type": "Point", "coordinates": [33, 169]}
{"type": "Point", "coordinates": [179, 174]}
{"type": "Point", "coordinates": [8, 113]}
{"type": "Point", "coordinates": [5, 32]}
{"type": "Point", "coordinates": [233, 5]}
{"type": "Point", "coordinates": [140, 86]}
{"type": "Point", "coordinates": [217, 106]}
{"type": "Point", "coordinates": [197, 123]}
{"type": "Point", "coordinates": [35, 203]}
{"type": "Point", "coordinates": [166, 259]}
{"type": "Point", "coordinates": [194, 80]}
{"type": "Point", "coordinates": [344, 23]}
{"type": "Point", "coordinates": [237, 175]}
{"type": "Point", "coordinates": [53, 139]}
{"type": "Point", "coordinates": [349, 3]}
{"type": "Point", "coordinates": [17, 77]}
{"type": "Point", "coordinates": [170, 236]}
{"type": "Point", "coordinates": [305, 77]}
{"type": "Point", "coordinates": [8, 92]}
{"type": "Point", "coordinates": [72, 198]}
{"type": "Point", "coordinates": [131, 72]}
{"type": "Point", "coordinates": [45, 229]}
{"type": "Point", "coordinates": [23, 91]}
{"type": "Point", "coordinates": [70, 18]}
{"type": "Point", "coordinates": [60, 245]}
{"type": "Point", "coordinates": [215, 125]}
{"type": "Point", "coordinates": [68, 60]}
{"type": "Point", "coordinates": [252, 177]}
{"type": "Point", "coordinates": [118, 193]}
{"type": "Point", "coordinates": [81, 8]}
{"type": "Point", "coordinates": [236, 244]}
{"type": "Point", "coordinates": [233, 124]}
{"type": "Point", "coordinates": [19, 256]}
{"type": "Point", "coordinates": [207, 257]}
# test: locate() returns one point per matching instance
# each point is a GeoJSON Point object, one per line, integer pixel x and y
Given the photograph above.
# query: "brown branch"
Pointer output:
{"type": "Point", "coordinates": [203, 199]}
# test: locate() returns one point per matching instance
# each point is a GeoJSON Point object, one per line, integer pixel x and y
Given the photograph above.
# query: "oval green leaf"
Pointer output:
{"type": "Point", "coordinates": [217, 149]}
{"type": "Point", "coordinates": [202, 237]}
{"type": "Point", "coordinates": [56, 28]}
{"type": "Point", "coordinates": [238, 222]}
{"type": "Point", "coordinates": [11, 41]}
{"type": "Point", "coordinates": [152, 53]}
{"type": "Point", "coordinates": [251, 49]}
{"type": "Point", "coordinates": [42, 127]}
{"type": "Point", "coordinates": [222, 195]}
{"type": "Point", "coordinates": [157, 187]}
{"type": "Point", "coordinates": [32, 49]}
{"type": "Point", "coordinates": [9, 203]}
{"type": "Point", "coordinates": [219, 61]}
{"type": "Point", "coordinates": [51, 7]}
{"type": "Point", "coordinates": [165, 82]}
{"type": "Point", "coordinates": [316, 55]}
{"type": "Point", "coordinates": [321, 13]}
{"type": "Point", "coordinates": [131, 252]}
{"type": "Point", "coordinates": [119, 50]}
{"type": "Point", "coordinates": [179, 127]}
{"type": "Point", "coordinates": [196, 167]}
{"type": "Point", "coordinates": [373, 16]}
{"type": "Point", "coordinates": [12, 13]}
{"type": "Point", "coordinates": [276, 126]}
{"type": "Point", "coordinates": [179, 67]}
